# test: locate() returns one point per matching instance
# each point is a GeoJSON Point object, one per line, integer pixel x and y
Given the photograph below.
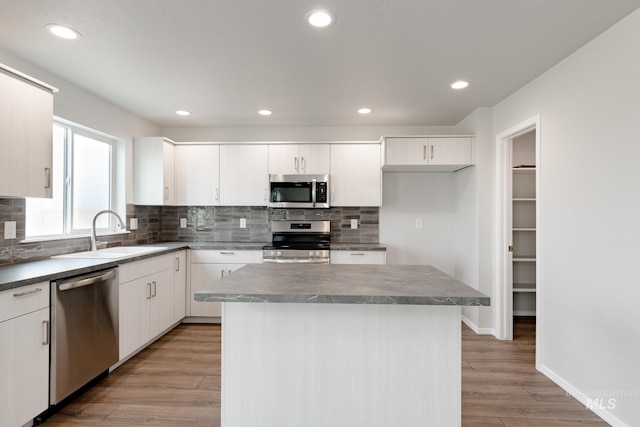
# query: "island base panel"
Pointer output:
{"type": "Point", "coordinates": [340, 364]}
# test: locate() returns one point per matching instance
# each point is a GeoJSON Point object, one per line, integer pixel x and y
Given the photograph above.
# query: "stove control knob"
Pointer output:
{"type": "Point", "coordinates": [278, 253]}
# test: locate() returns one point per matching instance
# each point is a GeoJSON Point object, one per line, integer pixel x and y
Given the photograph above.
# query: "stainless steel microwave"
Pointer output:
{"type": "Point", "coordinates": [299, 191]}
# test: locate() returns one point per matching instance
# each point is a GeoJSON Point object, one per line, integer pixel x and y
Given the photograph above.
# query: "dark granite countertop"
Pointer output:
{"type": "Point", "coordinates": [26, 273]}
{"type": "Point", "coordinates": [23, 274]}
{"type": "Point", "coordinates": [340, 283]}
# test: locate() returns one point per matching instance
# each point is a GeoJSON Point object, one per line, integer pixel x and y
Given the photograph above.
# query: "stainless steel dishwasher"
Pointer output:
{"type": "Point", "coordinates": [84, 330]}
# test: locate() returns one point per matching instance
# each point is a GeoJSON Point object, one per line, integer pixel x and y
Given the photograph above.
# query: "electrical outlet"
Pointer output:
{"type": "Point", "coordinates": [9, 230]}
{"type": "Point", "coordinates": [418, 224]}
{"type": "Point", "coordinates": [133, 224]}
{"type": "Point", "coordinates": [183, 222]}
{"type": "Point", "coordinates": [354, 224]}
{"type": "Point", "coordinates": [243, 222]}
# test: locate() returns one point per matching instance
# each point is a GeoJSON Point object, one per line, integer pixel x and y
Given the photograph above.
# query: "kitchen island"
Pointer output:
{"type": "Point", "coordinates": [341, 345]}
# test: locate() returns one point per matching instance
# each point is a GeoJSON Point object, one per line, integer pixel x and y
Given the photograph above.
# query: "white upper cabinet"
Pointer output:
{"type": "Point", "coordinates": [244, 175]}
{"type": "Point", "coordinates": [430, 154]}
{"type": "Point", "coordinates": [356, 177]}
{"type": "Point", "coordinates": [26, 135]}
{"type": "Point", "coordinates": [197, 175]}
{"type": "Point", "coordinates": [306, 159]}
{"type": "Point", "coordinates": [154, 171]}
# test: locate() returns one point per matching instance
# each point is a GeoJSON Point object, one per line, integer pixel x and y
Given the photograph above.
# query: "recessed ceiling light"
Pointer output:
{"type": "Point", "coordinates": [320, 18]}
{"type": "Point", "coordinates": [364, 110]}
{"type": "Point", "coordinates": [183, 113]}
{"type": "Point", "coordinates": [63, 32]}
{"type": "Point", "coordinates": [460, 84]}
{"type": "Point", "coordinates": [264, 112]}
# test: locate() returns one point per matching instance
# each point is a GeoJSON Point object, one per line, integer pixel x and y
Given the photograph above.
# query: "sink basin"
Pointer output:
{"type": "Point", "coordinates": [118, 252]}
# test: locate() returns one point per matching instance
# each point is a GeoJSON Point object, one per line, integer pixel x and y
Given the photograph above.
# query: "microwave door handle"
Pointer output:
{"type": "Point", "coordinates": [313, 193]}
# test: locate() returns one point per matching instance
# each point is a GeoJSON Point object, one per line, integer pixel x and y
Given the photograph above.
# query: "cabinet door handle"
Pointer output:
{"type": "Point", "coordinates": [47, 178]}
{"type": "Point", "coordinates": [217, 194]}
{"type": "Point", "coordinates": [154, 289]}
{"type": "Point", "coordinates": [45, 332]}
{"type": "Point", "coordinates": [177, 264]}
{"type": "Point", "coordinates": [303, 164]}
{"type": "Point", "coordinates": [166, 193]}
{"type": "Point", "coordinates": [264, 195]}
{"type": "Point", "coordinates": [24, 293]}
{"type": "Point", "coordinates": [228, 272]}
{"type": "Point", "coordinates": [431, 152]}
{"type": "Point", "coordinates": [222, 274]}
{"type": "Point", "coordinates": [148, 290]}
{"type": "Point", "coordinates": [424, 152]}
{"type": "Point", "coordinates": [296, 165]}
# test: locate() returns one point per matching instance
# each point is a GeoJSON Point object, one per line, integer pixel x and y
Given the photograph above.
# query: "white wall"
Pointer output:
{"type": "Point", "coordinates": [80, 106]}
{"type": "Point", "coordinates": [427, 196]}
{"type": "Point", "coordinates": [590, 222]}
{"type": "Point", "coordinates": [474, 188]}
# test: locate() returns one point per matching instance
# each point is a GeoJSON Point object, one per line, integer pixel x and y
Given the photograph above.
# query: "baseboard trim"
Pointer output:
{"type": "Point", "coordinates": [476, 329]}
{"type": "Point", "coordinates": [600, 411]}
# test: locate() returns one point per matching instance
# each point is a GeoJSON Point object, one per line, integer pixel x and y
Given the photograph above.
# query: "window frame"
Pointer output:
{"type": "Point", "coordinates": [71, 129]}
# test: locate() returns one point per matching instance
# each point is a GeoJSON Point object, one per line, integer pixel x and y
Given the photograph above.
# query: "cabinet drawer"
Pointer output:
{"type": "Point", "coordinates": [135, 270]}
{"type": "Point", "coordinates": [23, 300]}
{"type": "Point", "coordinates": [225, 257]}
{"type": "Point", "coordinates": [358, 257]}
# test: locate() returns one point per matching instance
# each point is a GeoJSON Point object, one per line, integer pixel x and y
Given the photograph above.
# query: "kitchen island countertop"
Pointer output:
{"type": "Point", "coordinates": [339, 283]}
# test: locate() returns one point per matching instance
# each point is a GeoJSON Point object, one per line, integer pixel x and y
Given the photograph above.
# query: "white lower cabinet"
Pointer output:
{"type": "Point", "coordinates": [209, 266]}
{"type": "Point", "coordinates": [146, 301]}
{"type": "Point", "coordinates": [358, 257]}
{"type": "Point", "coordinates": [24, 353]}
{"type": "Point", "coordinates": [180, 285]}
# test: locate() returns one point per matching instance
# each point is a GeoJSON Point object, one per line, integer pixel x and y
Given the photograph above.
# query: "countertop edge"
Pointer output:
{"type": "Point", "coordinates": [209, 296]}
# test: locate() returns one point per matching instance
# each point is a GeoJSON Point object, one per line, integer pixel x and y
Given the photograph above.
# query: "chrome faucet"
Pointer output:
{"type": "Point", "coordinates": [94, 241]}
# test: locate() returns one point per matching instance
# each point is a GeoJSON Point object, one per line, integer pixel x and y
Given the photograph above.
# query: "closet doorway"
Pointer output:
{"type": "Point", "coordinates": [518, 288]}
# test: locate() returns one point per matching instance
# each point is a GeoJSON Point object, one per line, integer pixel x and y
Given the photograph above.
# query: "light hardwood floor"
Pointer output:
{"type": "Point", "coordinates": [176, 382]}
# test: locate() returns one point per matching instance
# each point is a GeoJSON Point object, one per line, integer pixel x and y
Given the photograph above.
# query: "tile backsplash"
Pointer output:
{"type": "Point", "coordinates": [203, 224]}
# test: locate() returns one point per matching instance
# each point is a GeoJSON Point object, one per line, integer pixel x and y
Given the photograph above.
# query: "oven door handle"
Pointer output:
{"type": "Point", "coordinates": [88, 281]}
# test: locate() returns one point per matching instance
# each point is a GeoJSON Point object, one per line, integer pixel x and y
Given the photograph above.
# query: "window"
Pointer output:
{"type": "Point", "coordinates": [83, 183]}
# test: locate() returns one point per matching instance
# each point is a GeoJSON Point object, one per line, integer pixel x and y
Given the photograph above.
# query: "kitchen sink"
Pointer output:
{"type": "Point", "coordinates": [117, 252]}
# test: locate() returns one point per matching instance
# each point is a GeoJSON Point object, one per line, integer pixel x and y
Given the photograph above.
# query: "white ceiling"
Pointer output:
{"type": "Point", "coordinates": [223, 60]}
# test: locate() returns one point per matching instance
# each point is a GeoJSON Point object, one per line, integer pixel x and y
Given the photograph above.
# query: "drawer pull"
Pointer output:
{"type": "Point", "coordinates": [227, 253]}
{"type": "Point", "coordinates": [357, 253]}
{"type": "Point", "coordinates": [32, 291]}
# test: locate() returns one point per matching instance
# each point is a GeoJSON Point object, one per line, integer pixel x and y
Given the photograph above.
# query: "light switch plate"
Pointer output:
{"type": "Point", "coordinates": [354, 224]}
{"type": "Point", "coordinates": [183, 222]}
{"type": "Point", "coordinates": [133, 224]}
{"type": "Point", "coordinates": [9, 230]}
{"type": "Point", "coordinates": [243, 222]}
{"type": "Point", "coordinates": [418, 224]}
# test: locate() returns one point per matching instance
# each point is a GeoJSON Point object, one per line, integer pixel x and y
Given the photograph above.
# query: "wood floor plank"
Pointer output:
{"type": "Point", "coordinates": [88, 413]}
{"type": "Point", "coordinates": [481, 422]}
{"type": "Point", "coordinates": [139, 415]}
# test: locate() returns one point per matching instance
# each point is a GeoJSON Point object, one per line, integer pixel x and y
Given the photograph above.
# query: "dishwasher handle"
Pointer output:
{"type": "Point", "coordinates": [87, 281]}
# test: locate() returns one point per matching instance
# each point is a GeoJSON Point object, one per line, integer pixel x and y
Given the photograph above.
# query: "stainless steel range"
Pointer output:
{"type": "Point", "coordinates": [299, 242]}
